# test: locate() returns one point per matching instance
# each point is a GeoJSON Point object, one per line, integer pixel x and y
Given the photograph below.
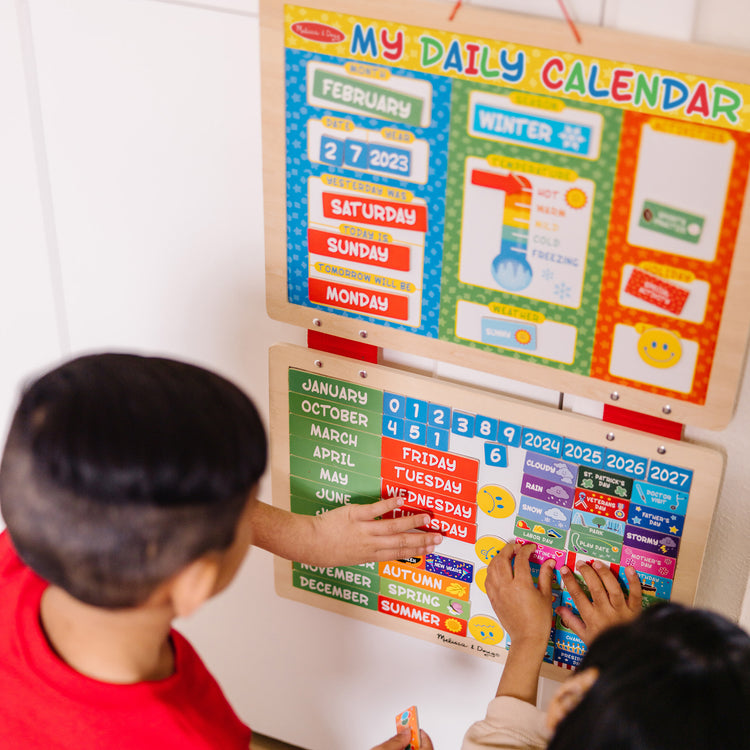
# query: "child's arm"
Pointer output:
{"type": "Point", "coordinates": [525, 612]}
{"type": "Point", "coordinates": [348, 535]}
{"type": "Point", "coordinates": [608, 605]}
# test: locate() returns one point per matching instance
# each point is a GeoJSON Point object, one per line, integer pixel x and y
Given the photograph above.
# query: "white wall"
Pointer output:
{"type": "Point", "coordinates": [32, 319]}
{"type": "Point", "coordinates": [132, 219]}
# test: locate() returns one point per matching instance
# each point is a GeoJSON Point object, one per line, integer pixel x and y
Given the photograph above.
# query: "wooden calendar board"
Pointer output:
{"type": "Point", "coordinates": [488, 192]}
{"type": "Point", "coordinates": [487, 470]}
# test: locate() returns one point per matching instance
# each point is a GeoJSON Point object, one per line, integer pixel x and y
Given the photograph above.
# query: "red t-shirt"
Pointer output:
{"type": "Point", "coordinates": [46, 704]}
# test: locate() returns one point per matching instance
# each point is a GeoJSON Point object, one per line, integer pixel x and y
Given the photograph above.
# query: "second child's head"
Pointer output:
{"type": "Point", "coordinates": [120, 470]}
{"type": "Point", "coordinates": [673, 679]}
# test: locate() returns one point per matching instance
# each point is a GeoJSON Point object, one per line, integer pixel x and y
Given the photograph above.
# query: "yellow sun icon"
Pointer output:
{"type": "Point", "coordinates": [523, 336]}
{"type": "Point", "coordinates": [453, 625]}
{"type": "Point", "coordinates": [576, 198]}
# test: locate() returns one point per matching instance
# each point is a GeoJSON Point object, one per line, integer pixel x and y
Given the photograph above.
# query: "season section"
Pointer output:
{"type": "Point", "coordinates": [531, 178]}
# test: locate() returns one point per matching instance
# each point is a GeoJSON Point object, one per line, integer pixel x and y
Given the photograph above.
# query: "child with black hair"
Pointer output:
{"type": "Point", "coordinates": [128, 488]}
{"type": "Point", "coordinates": [670, 678]}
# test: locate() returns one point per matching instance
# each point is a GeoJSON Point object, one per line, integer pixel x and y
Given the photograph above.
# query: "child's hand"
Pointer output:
{"type": "Point", "coordinates": [608, 605]}
{"type": "Point", "coordinates": [524, 610]}
{"type": "Point", "coordinates": [401, 740]}
{"type": "Point", "coordinates": [350, 535]}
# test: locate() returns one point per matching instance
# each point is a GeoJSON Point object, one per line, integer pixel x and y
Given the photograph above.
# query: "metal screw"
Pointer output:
{"type": "Point", "coordinates": [363, 334]}
{"type": "Point", "coordinates": [363, 374]}
{"type": "Point", "coordinates": [667, 409]}
{"type": "Point", "coordinates": [661, 450]}
{"type": "Point", "coordinates": [318, 363]}
{"type": "Point", "coordinates": [615, 396]}
{"type": "Point", "coordinates": [610, 436]}
{"type": "Point", "coordinates": [317, 322]}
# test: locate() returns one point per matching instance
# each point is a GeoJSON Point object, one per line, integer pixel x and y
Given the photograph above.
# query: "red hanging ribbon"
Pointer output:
{"type": "Point", "coordinates": [573, 28]}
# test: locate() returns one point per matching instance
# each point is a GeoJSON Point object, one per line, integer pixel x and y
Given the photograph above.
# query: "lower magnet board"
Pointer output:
{"type": "Point", "coordinates": [488, 470]}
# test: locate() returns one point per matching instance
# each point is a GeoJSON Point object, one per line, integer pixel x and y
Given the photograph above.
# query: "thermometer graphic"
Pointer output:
{"type": "Point", "coordinates": [510, 268]}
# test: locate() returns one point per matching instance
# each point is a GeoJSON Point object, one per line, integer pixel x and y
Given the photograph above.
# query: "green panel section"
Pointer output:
{"type": "Point", "coordinates": [600, 171]}
{"type": "Point", "coordinates": [347, 594]}
{"type": "Point", "coordinates": [589, 545]}
{"type": "Point", "coordinates": [338, 391]}
{"type": "Point", "coordinates": [540, 533]}
{"type": "Point", "coordinates": [364, 577]}
{"type": "Point", "coordinates": [335, 457]}
{"type": "Point", "coordinates": [367, 98]}
{"type": "Point", "coordinates": [344, 415]}
{"type": "Point", "coordinates": [331, 494]}
{"type": "Point", "coordinates": [325, 434]}
{"type": "Point", "coordinates": [457, 608]}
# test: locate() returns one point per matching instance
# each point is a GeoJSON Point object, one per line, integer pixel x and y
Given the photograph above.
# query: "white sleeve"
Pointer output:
{"type": "Point", "coordinates": [510, 724]}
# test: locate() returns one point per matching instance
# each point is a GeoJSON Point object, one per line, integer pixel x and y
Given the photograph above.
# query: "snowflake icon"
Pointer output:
{"type": "Point", "coordinates": [562, 291]}
{"type": "Point", "coordinates": [572, 137]}
{"type": "Point", "coordinates": [548, 274]}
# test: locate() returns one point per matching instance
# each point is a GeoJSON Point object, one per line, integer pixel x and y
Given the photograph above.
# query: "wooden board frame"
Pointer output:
{"type": "Point", "coordinates": [728, 360]}
{"type": "Point", "coordinates": [606, 44]}
{"type": "Point", "coordinates": [706, 463]}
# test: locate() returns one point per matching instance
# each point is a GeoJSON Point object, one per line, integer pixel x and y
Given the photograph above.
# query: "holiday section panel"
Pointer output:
{"type": "Point", "coordinates": [677, 202]}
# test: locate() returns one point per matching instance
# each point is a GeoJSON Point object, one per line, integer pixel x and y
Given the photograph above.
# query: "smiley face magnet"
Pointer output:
{"type": "Point", "coordinates": [658, 347]}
